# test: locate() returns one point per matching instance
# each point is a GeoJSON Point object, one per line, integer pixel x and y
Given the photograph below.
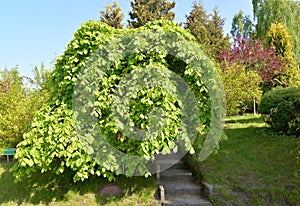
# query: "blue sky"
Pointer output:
{"type": "Point", "coordinates": [35, 31]}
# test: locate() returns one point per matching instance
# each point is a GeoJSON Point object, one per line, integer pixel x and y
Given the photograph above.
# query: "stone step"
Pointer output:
{"type": "Point", "coordinates": [176, 175]}
{"type": "Point", "coordinates": [186, 200]}
{"type": "Point", "coordinates": [170, 164]}
{"type": "Point", "coordinates": [181, 188]}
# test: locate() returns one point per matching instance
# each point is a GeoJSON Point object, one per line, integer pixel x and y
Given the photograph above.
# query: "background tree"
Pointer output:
{"type": "Point", "coordinates": [197, 22]}
{"type": "Point", "coordinates": [112, 15]}
{"type": "Point", "coordinates": [241, 87]}
{"type": "Point", "coordinates": [19, 101]}
{"type": "Point", "coordinates": [287, 12]}
{"type": "Point", "coordinates": [41, 77]}
{"type": "Point", "coordinates": [218, 41]}
{"type": "Point", "coordinates": [143, 11]}
{"type": "Point", "coordinates": [208, 29]}
{"type": "Point", "coordinates": [279, 38]}
{"type": "Point", "coordinates": [242, 26]}
{"type": "Point", "coordinates": [253, 55]}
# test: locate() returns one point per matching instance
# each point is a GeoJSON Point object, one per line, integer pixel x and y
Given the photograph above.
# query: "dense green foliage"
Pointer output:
{"type": "Point", "coordinates": [241, 88]}
{"type": "Point", "coordinates": [55, 140]}
{"type": "Point", "coordinates": [19, 102]}
{"type": "Point", "coordinates": [281, 108]}
{"type": "Point", "coordinates": [112, 16]}
{"type": "Point", "coordinates": [287, 12]}
{"type": "Point", "coordinates": [208, 29]}
{"type": "Point", "coordinates": [144, 11]}
{"type": "Point", "coordinates": [279, 38]}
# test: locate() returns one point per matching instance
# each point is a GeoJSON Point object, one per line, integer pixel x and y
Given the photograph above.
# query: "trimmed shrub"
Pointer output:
{"type": "Point", "coordinates": [281, 108]}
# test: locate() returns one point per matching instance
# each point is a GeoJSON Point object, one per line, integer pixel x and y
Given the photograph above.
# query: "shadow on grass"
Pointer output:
{"type": "Point", "coordinates": [244, 120]}
{"type": "Point", "coordinates": [47, 188]}
{"type": "Point", "coordinates": [253, 166]}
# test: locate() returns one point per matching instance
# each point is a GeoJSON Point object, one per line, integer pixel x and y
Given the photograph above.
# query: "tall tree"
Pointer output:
{"type": "Point", "coordinates": [144, 11]}
{"type": "Point", "coordinates": [287, 12]}
{"type": "Point", "coordinates": [197, 22]}
{"type": "Point", "coordinates": [242, 25]}
{"type": "Point", "coordinates": [218, 41]}
{"type": "Point", "coordinates": [112, 15]}
{"type": "Point", "coordinates": [208, 29]}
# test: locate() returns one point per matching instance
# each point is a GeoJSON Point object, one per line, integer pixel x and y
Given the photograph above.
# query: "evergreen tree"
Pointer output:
{"type": "Point", "coordinates": [112, 15]}
{"type": "Point", "coordinates": [218, 41]}
{"type": "Point", "coordinates": [144, 11]}
{"type": "Point", "coordinates": [197, 22]}
{"type": "Point", "coordinates": [208, 29]}
{"type": "Point", "coordinates": [279, 38]}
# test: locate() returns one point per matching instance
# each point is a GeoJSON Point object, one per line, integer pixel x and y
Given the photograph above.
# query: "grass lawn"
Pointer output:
{"type": "Point", "coordinates": [47, 189]}
{"type": "Point", "coordinates": [253, 167]}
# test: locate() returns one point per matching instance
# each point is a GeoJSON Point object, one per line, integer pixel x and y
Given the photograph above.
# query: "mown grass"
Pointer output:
{"type": "Point", "coordinates": [49, 189]}
{"type": "Point", "coordinates": [254, 166]}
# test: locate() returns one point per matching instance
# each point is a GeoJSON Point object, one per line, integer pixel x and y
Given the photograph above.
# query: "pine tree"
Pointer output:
{"type": "Point", "coordinates": [208, 29]}
{"type": "Point", "coordinates": [197, 22]}
{"type": "Point", "coordinates": [112, 15]}
{"type": "Point", "coordinates": [218, 41]}
{"type": "Point", "coordinates": [144, 11]}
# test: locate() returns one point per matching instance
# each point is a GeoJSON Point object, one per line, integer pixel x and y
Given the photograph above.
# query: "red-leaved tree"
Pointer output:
{"type": "Point", "coordinates": [252, 54]}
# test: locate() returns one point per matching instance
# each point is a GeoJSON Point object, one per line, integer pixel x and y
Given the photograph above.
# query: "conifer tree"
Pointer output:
{"type": "Point", "coordinates": [279, 38]}
{"type": "Point", "coordinates": [208, 29]}
{"type": "Point", "coordinates": [197, 22]}
{"type": "Point", "coordinates": [218, 41]}
{"type": "Point", "coordinates": [112, 15]}
{"type": "Point", "coordinates": [144, 11]}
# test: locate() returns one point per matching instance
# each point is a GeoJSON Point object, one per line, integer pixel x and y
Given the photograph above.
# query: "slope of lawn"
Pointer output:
{"type": "Point", "coordinates": [254, 166]}
{"type": "Point", "coordinates": [48, 189]}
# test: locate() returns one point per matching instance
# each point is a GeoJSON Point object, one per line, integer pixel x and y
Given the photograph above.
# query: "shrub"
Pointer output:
{"type": "Point", "coordinates": [281, 108]}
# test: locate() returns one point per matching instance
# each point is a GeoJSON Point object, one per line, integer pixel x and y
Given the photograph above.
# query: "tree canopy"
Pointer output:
{"type": "Point", "coordinates": [208, 29]}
